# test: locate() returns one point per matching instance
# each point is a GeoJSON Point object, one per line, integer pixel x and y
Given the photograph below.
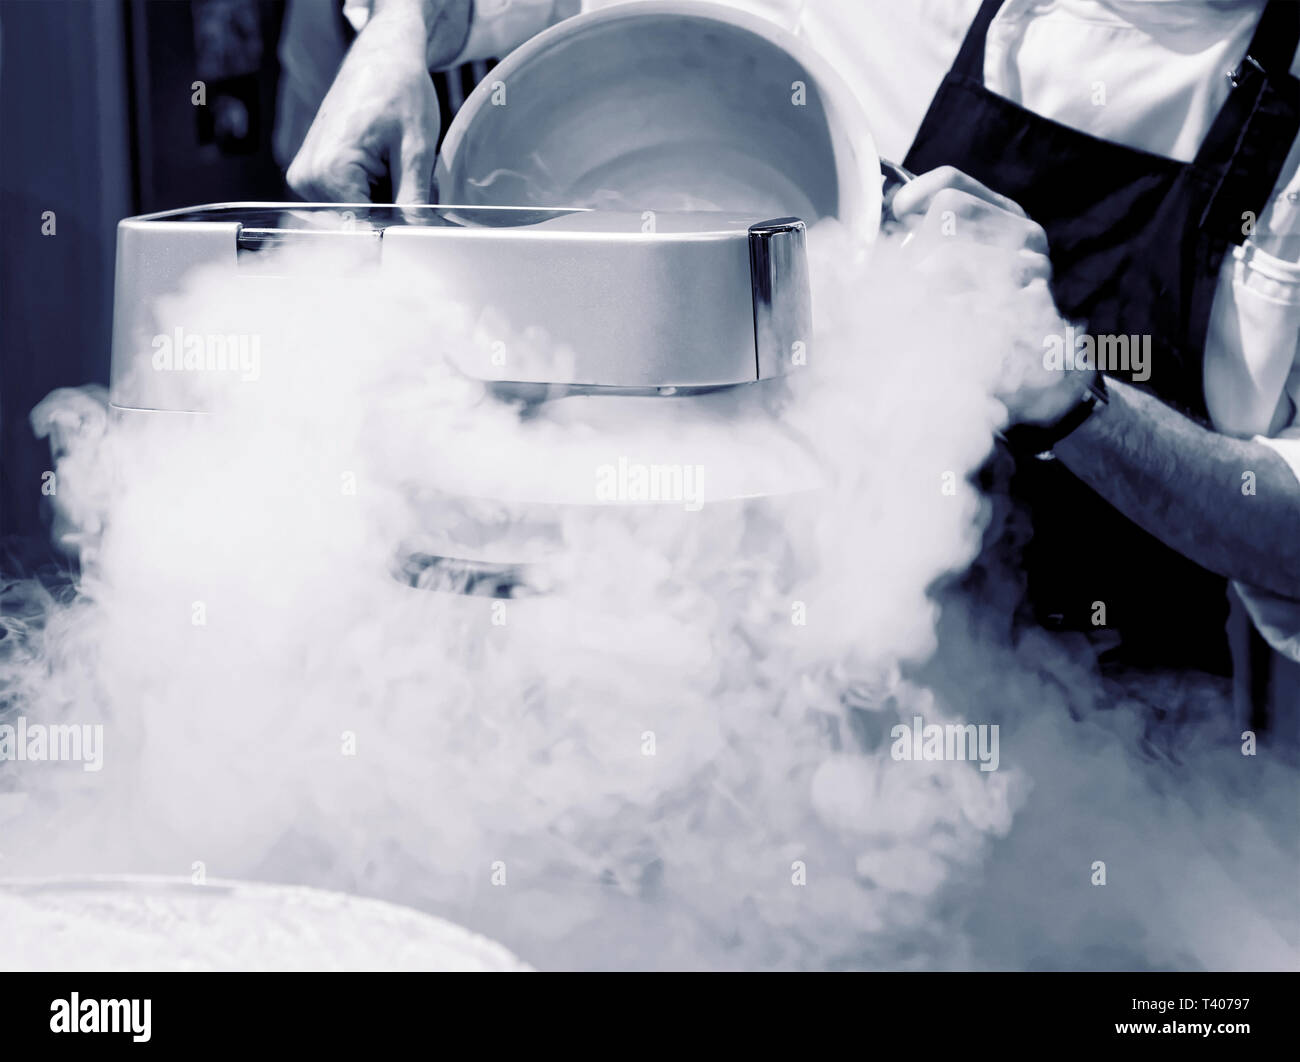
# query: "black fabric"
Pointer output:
{"type": "Point", "coordinates": [1136, 243]}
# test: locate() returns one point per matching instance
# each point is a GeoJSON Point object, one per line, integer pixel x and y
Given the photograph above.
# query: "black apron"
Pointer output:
{"type": "Point", "coordinates": [1136, 241]}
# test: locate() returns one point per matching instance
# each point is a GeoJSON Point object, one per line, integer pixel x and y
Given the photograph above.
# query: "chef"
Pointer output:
{"type": "Point", "coordinates": [1118, 168]}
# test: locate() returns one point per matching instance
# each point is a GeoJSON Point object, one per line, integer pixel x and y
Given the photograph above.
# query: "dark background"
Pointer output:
{"type": "Point", "coordinates": [98, 123]}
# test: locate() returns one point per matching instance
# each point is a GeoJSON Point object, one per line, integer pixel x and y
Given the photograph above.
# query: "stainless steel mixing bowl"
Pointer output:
{"type": "Point", "coordinates": [666, 106]}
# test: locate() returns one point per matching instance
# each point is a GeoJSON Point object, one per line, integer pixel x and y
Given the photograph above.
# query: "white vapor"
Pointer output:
{"type": "Point", "coordinates": [655, 764]}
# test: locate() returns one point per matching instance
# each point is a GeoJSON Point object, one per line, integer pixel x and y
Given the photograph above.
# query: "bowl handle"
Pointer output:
{"type": "Point", "coordinates": [893, 177]}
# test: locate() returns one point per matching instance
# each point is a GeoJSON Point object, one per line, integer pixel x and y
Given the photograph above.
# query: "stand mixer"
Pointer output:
{"type": "Point", "coordinates": [635, 184]}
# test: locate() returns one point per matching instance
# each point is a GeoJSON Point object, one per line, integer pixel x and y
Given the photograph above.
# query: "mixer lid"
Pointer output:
{"type": "Point", "coordinates": [630, 302]}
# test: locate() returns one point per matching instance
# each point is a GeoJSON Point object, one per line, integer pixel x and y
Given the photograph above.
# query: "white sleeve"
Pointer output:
{"type": "Point", "coordinates": [1252, 365]}
{"type": "Point", "coordinates": [357, 12]}
{"type": "Point", "coordinates": [1278, 618]}
{"type": "Point", "coordinates": [496, 27]}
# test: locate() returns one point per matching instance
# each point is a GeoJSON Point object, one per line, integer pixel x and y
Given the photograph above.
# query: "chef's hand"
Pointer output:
{"type": "Point", "coordinates": [980, 250]}
{"type": "Point", "coordinates": [380, 117]}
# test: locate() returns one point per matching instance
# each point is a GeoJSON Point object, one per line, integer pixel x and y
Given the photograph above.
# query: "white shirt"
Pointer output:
{"type": "Point", "coordinates": [1146, 73]}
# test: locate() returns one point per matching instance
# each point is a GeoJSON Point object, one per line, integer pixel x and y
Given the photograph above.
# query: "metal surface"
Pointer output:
{"type": "Point", "coordinates": [778, 265]}
{"type": "Point", "coordinates": [664, 105]}
{"type": "Point", "coordinates": [630, 302]}
{"type": "Point", "coordinates": [894, 177]}
{"type": "Point", "coordinates": [470, 577]}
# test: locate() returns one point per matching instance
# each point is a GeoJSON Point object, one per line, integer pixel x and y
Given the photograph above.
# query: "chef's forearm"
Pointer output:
{"type": "Point", "coordinates": [443, 24]}
{"type": "Point", "coordinates": [1188, 487]}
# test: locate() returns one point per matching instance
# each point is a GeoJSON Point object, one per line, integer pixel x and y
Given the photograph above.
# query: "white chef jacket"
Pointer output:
{"type": "Point", "coordinates": [1146, 73]}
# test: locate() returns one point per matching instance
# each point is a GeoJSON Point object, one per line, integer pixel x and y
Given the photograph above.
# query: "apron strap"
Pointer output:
{"type": "Point", "coordinates": [970, 60]}
{"type": "Point", "coordinates": [1276, 37]}
{"type": "Point", "coordinates": [1243, 153]}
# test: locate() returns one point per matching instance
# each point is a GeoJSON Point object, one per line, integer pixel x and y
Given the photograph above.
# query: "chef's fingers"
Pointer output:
{"type": "Point", "coordinates": [956, 266]}
{"type": "Point", "coordinates": [915, 196]}
{"type": "Point", "coordinates": [412, 168]}
{"type": "Point", "coordinates": [345, 179]}
{"type": "Point", "coordinates": [983, 269]}
{"type": "Point", "coordinates": [955, 214]}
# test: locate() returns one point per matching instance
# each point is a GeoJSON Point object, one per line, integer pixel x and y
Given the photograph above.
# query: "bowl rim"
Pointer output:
{"type": "Point", "coordinates": [851, 139]}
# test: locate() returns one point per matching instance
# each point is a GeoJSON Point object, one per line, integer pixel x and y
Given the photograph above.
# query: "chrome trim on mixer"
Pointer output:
{"type": "Point", "coordinates": [531, 394]}
{"type": "Point", "coordinates": [778, 272]}
{"type": "Point", "coordinates": [474, 578]}
{"type": "Point", "coordinates": [254, 247]}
